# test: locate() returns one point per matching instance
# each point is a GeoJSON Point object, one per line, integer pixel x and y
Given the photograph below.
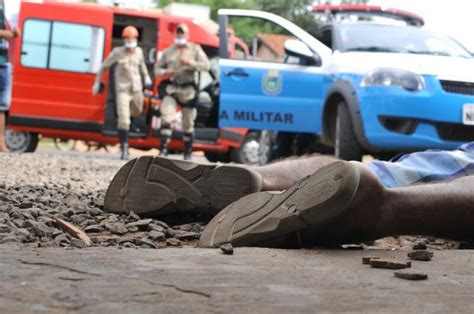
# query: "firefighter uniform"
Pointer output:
{"type": "Point", "coordinates": [182, 89]}
{"type": "Point", "coordinates": [130, 66]}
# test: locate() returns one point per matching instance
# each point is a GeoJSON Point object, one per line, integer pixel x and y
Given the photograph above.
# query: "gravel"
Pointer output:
{"type": "Point", "coordinates": [36, 188]}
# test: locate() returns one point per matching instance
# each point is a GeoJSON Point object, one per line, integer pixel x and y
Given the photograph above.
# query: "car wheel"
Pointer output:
{"type": "Point", "coordinates": [64, 145]}
{"type": "Point", "coordinates": [346, 146]}
{"type": "Point", "coordinates": [254, 150]}
{"type": "Point", "coordinates": [21, 141]}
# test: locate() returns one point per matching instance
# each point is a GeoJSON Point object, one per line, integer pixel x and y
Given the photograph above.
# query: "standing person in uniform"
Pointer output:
{"type": "Point", "coordinates": [6, 35]}
{"type": "Point", "coordinates": [180, 63]}
{"type": "Point", "coordinates": [130, 68]}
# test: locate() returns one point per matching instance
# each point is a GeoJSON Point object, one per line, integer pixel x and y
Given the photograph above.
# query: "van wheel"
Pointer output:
{"type": "Point", "coordinates": [217, 157]}
{"type": "Point", "coordinates": [21, 141]}
{"type": "Point", "coordinates": [255, 149]}
{"type": "Point", "coordinates": [347, 146]}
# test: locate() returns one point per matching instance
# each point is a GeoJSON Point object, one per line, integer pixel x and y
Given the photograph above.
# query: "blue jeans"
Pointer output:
{"type": "Point", "coordinates": [5, 86]}
{"type": "Point", "coordinates": [426, 166]}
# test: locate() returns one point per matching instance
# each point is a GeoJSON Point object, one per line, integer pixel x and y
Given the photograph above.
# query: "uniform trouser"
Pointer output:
{"type": "Point", "coordinates": [128, 104]}
{"type": "Point", "coordinates": [168, 115]}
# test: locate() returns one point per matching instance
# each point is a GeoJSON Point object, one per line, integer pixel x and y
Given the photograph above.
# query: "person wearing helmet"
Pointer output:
{"type": "Point", "coordinates": [129, 70]}
{"type": "Point", "coordinates": [180, 63]}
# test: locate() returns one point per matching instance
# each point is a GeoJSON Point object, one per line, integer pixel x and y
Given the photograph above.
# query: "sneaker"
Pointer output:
{"type": "Point", "coordinates": [154, 186]}
{"type": "Point", "coordinates": [260, 217]}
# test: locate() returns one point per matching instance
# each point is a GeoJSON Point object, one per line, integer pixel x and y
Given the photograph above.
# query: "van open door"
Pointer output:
{"type": "Point", "coordinates": [147, 28]}
{"type": "Point", "coordinates": [280, 87]}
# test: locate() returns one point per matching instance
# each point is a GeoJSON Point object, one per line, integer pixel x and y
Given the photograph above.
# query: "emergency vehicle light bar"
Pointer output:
{"type": "Point", "coordinates": [408, 17]}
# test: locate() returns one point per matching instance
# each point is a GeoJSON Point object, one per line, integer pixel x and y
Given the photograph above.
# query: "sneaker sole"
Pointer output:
{"type": "Point", "coordinates": [155, 186]}
{"type": "Point", "coordinates": [263, 216]}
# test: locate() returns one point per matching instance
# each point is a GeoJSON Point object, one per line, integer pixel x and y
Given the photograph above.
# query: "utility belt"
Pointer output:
{"type": "Point", "coordinates": [162, 92]}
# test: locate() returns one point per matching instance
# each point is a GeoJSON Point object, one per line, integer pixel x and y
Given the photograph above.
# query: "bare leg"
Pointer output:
{"type": "Point", "coordinates": [443, 210]}
{"type": "Point", "coordinates": [3, 147]}
{"type": "Point", "coordinates": [282, 174]}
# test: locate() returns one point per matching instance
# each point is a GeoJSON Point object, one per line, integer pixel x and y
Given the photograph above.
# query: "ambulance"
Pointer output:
{"type": "Point", "coordinates": [55, 62]}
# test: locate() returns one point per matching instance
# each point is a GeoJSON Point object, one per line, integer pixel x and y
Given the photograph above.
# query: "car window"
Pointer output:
{"type": "Point", "coordinates": [402, 39]}
{"type": "Point", "coordinates": [62, 46]}
{"type": "Point", "coordinates": [265, 39]}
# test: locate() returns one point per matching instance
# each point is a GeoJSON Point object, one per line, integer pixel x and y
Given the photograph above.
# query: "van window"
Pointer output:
{"type": "Point", "coordinates": [62, 46]}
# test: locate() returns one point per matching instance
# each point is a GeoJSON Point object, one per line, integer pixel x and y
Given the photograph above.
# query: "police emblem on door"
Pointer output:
{"type": "Point", "coordinates": [272, 83]}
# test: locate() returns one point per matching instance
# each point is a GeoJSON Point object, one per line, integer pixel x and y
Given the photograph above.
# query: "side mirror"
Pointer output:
{"type": "Point", "coordinates": [297, 48]}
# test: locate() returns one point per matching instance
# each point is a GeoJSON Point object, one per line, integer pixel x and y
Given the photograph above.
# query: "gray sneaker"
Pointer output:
{"type": "Point", "coordinates": [264, 216]}
{"type": "Point", "coordinates": [154, 186]}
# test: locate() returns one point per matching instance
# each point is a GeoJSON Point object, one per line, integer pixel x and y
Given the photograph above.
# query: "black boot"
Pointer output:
{"type": "Point", "coordinates": [165, 141]}
{"type": "Point", "coordinates": [123, 136]}
{"type": "Point", "coordinates": [188, 145]}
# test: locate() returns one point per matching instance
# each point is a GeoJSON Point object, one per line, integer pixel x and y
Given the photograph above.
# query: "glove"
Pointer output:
{"type": "Point", "coordinates": [148, 82]}
{"type": "Point", "coordinates": [96, 88]}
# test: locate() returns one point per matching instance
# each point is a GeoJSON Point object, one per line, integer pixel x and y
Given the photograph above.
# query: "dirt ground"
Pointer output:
{"type": "Point", "coordinates": [149, 265]}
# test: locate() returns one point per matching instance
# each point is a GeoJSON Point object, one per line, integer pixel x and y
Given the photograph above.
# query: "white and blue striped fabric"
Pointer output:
{"type": "Point", "coordinates": [424, 167]}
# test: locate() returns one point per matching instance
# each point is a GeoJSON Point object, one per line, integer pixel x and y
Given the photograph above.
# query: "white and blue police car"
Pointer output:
{"type": "Point", "coordinates": [359, 87]}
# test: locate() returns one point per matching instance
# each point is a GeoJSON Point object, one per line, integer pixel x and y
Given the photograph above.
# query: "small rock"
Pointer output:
{"type": "Point", "coordinates": [25, 205]}
{"type": "Point", "coordinates": [76, 219]}
{"type": "Point", "coordinates": [20, 223]}
{"type": "Point", "coordinates": [170, 233]}
{"type": "Point", "coordinates": [23, 235]}
{"type": "Point", "coordinates": [420, 246]}
{"type": "Point", "coordinates": [62, 239]}
{"type": "Point", "coordinates": [132, 229]}
{"type": "Point", "coordinates": [128, 245]}
{"type": "Point", "coordinates": [411, 275]}
{"type": "Point", "coordinates": [161, 223]}
{"type": "Point", "coordinates": [156, 235]}
{"type": "Point", "coordinates": [133, 216]}
{"type": "Point", "coordinates": [117, 228]}
{"type": "Point", "coordinates": [77, 243]}
{"type": "Point", "coordinates": [389, 264]}
{"type": "Point", "coordinates": [46, 220]}
{"type": "Point", "coordinates": [420, 255]}
{"type": "Point", "coordinates": [440, 242]}
{"type": "Point", "coordinates": [146, 242]}
{"type": "Point", "coordinates": [140, 224]}
{"type": "Point", "coordinates": [155, 227]}
{"type": "Point", "coordinates": [366, 259]}
{"type": "Point", "coordinates": [186, 227]}
{"type": "Point", "coordinates": [41, 230]}
{"type": "Point", "coordinates": [173, 242]}
{"type": "Point", "coordinates": [94, 229]}
{"type": "Point", "coordinates": [227, 249]}
{"type": "Point", "coordinates": [4, 228]}
{"type": "Point", "coordinates": [185, 235]}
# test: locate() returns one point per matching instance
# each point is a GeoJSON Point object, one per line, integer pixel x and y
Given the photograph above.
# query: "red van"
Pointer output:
{"type": "Point", "coordinates": [55, 62]}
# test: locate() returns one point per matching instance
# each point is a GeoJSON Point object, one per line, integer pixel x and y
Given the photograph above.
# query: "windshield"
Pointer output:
{"type": "Point", "coordinates": [384, 38]}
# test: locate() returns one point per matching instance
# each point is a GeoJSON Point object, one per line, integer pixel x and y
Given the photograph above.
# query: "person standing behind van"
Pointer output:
{"type": "Point", "coordinates": [6, 35]}
{"type": "Point", "coordinates": [129, 70]}
{"type": "Point", "coordinates": [179, 63]}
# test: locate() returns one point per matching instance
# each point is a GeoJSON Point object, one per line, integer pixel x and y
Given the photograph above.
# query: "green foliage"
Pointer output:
{"type": "Point", "coordinates": [293, 10]}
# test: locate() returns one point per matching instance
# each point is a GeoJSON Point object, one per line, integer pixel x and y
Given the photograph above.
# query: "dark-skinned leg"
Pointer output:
{"type": "Point", "coordinates": [442, 210]}
{"type": "Point", "coordinates": [282, 174]}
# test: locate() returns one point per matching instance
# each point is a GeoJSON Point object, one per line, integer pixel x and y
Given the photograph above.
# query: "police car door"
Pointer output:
{"type": "Point", "coordinates": [279, 87]}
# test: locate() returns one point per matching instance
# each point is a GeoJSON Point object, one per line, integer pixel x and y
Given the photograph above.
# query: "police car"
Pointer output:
{"type": "Point", "coordinates": [357, 86]}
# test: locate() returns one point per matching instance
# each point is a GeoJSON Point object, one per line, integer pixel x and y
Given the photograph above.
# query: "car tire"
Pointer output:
{"type": "Point", "coordinates": [21, 141]}
{"type": "Point", "coordinates": [255, 149]}
{"type": "Point", "coordinates": [346, 146]}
